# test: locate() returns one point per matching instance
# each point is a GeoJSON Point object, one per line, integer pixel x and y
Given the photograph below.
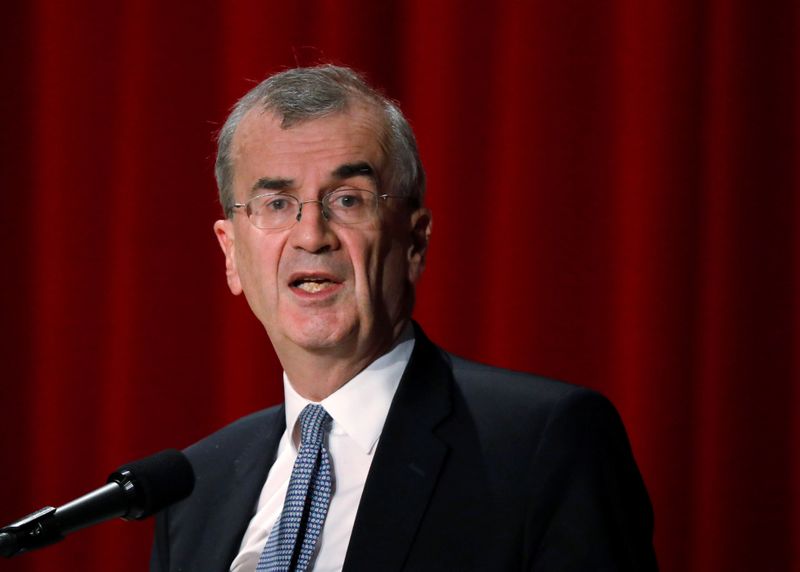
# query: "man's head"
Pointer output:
{"type": "Point", "coordinates": [303, 94]}
{"type": "Point", "coordinates": [323, 282]}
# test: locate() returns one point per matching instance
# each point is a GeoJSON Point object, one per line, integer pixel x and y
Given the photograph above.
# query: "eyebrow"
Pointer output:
{"type": "Point", "coordinates": [271, 184]}
{"type": "Point", "coordinates": [346, 171]}
{"type": "Point", "coordinates": [359, 169]}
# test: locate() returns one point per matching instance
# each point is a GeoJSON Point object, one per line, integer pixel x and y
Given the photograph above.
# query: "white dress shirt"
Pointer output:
{"type": "Point", "coordinates": [359, 410]}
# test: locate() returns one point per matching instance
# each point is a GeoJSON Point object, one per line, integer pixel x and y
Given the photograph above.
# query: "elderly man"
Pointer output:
{"type": "Point", "coordinates": [388, 454]}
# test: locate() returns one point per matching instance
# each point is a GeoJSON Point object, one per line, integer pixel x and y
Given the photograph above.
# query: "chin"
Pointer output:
{"type": "Point", "coordinates": [318, 333]}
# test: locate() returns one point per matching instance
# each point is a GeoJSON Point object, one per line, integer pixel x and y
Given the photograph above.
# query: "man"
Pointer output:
{"type": "Point", "coordinates": [388, 454]}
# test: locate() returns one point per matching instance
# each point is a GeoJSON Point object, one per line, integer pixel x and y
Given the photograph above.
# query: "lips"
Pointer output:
{"type": "Point", "coordinates": [313, 283]}
{"type": "Point", "coordinates": [313, 286]}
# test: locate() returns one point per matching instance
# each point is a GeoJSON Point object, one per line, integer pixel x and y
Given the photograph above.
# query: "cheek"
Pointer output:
{"type": "Point", "coordinates": [258, 267]}
{"type": "Point", "coordinates": [391, 273]}
{"type": "Point", "coordinates": [367, 258]}
{"type": "Point", "coordinates": [396, 269]}
{"type": "Point", "coordinates": [379, 265]}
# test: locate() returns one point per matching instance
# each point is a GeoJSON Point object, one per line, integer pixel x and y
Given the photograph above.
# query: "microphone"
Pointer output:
{"type": "Point", "coordinates": [134, 491]}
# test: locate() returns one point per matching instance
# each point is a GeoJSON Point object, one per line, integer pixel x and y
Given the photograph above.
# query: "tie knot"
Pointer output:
{"type": "Point", "coordinates": [312, 421]}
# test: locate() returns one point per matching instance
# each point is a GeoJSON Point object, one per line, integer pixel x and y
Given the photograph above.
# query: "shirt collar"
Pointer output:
{"type": "Point", "coordinates": [358, 408]}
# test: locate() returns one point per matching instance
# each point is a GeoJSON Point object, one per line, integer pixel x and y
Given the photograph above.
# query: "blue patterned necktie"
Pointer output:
{"type": "Point", "coordinates": [291, 543]}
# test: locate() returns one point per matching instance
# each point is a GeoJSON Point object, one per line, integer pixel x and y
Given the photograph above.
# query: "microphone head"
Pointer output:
{"type": "Point", "coordinates": [155, 482]}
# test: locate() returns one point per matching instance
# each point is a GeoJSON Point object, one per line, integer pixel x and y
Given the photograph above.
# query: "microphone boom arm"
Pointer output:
{"type": "Point", "coordinates": [133, 491]}
{"type": "Point", "coordinates": [29, 533]}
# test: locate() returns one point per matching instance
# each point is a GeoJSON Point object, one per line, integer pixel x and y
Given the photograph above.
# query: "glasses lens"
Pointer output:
{"type": "Point", "coordinates": [349, 206]}
{"type": "Point", "coordinates": [273, 211]}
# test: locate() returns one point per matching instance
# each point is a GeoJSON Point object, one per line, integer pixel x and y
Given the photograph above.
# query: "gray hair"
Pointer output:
{"type": "Point", "coordinates": [303, 94]}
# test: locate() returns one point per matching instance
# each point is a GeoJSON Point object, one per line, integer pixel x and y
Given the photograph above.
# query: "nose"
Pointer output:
{"type": "Point", "coordinates": [321, 208]}
{"type": "Point", "coordinates": [312, 232]}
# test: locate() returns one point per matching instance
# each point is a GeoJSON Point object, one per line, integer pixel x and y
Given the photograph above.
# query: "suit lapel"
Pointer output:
{"type": "Point", "coordinates": [406, 465]}
{"type": "Point", "coordinates": [236, 500]}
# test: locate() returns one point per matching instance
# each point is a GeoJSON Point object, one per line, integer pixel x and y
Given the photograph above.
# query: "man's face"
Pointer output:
{"type": "Point", "coordinates": [320, 286]}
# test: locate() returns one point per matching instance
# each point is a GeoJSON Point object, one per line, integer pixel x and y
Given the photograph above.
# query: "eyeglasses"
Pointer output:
{"type": "Point", "coordinates": [345, 205]}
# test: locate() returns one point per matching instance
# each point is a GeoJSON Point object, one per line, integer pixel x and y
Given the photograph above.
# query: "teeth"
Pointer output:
{"type": "Point", "coordinates": [313, 287]}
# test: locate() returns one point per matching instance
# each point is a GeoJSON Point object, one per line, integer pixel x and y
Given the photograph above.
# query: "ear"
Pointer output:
{"type": "Point", "coordinates": [224, 231]}
{"type": "Point", "coordinates": [421, 226]}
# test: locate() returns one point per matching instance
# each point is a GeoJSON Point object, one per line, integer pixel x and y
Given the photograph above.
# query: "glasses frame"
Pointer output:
{"type": "Point", "coordinates": [380, 198]}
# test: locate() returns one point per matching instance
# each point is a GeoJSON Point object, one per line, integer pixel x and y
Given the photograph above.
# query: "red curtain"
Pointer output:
{"type": "Point", "coordinates": [641, 164]}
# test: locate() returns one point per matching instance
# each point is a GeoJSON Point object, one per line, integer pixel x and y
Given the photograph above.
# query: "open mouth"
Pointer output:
{"type": "Point", "coordinates": [313, 285]}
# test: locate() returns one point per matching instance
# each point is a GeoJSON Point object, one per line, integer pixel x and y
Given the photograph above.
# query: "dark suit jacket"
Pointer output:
{"type": "Point", "coordinates": [477, 469]}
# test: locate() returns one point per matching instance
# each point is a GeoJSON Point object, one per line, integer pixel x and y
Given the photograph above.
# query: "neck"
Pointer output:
{"type": "Point", "coordinates": [317, 374]}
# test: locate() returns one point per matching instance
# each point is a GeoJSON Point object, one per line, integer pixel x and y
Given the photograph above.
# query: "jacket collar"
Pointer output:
{"type": "Point", "coordinates": [406, 465]}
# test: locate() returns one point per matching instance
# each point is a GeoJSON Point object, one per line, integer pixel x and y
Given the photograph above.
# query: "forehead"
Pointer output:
{"type": "Point", "coordinates": [263, 148]}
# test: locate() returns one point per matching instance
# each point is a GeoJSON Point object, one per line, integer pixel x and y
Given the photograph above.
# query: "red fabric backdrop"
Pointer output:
{"type": "Point", "coordinates": [645, 241]}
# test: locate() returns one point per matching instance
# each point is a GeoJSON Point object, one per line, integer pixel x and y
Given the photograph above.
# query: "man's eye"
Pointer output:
{"type": "Point", "coordinates": [276, 204]}
{"type": "Point", "coordinates": [347, 200]}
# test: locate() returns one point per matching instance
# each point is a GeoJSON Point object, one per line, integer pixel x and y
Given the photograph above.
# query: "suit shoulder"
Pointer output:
{"type": "Point", "coordinates": [508, 386]}
{"type": "Point", "coordinates": [230, 467]}
{"type": "Point", "coordinates": [498, 398]}
{"type": "Point", "coordinates": [231, 439]}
